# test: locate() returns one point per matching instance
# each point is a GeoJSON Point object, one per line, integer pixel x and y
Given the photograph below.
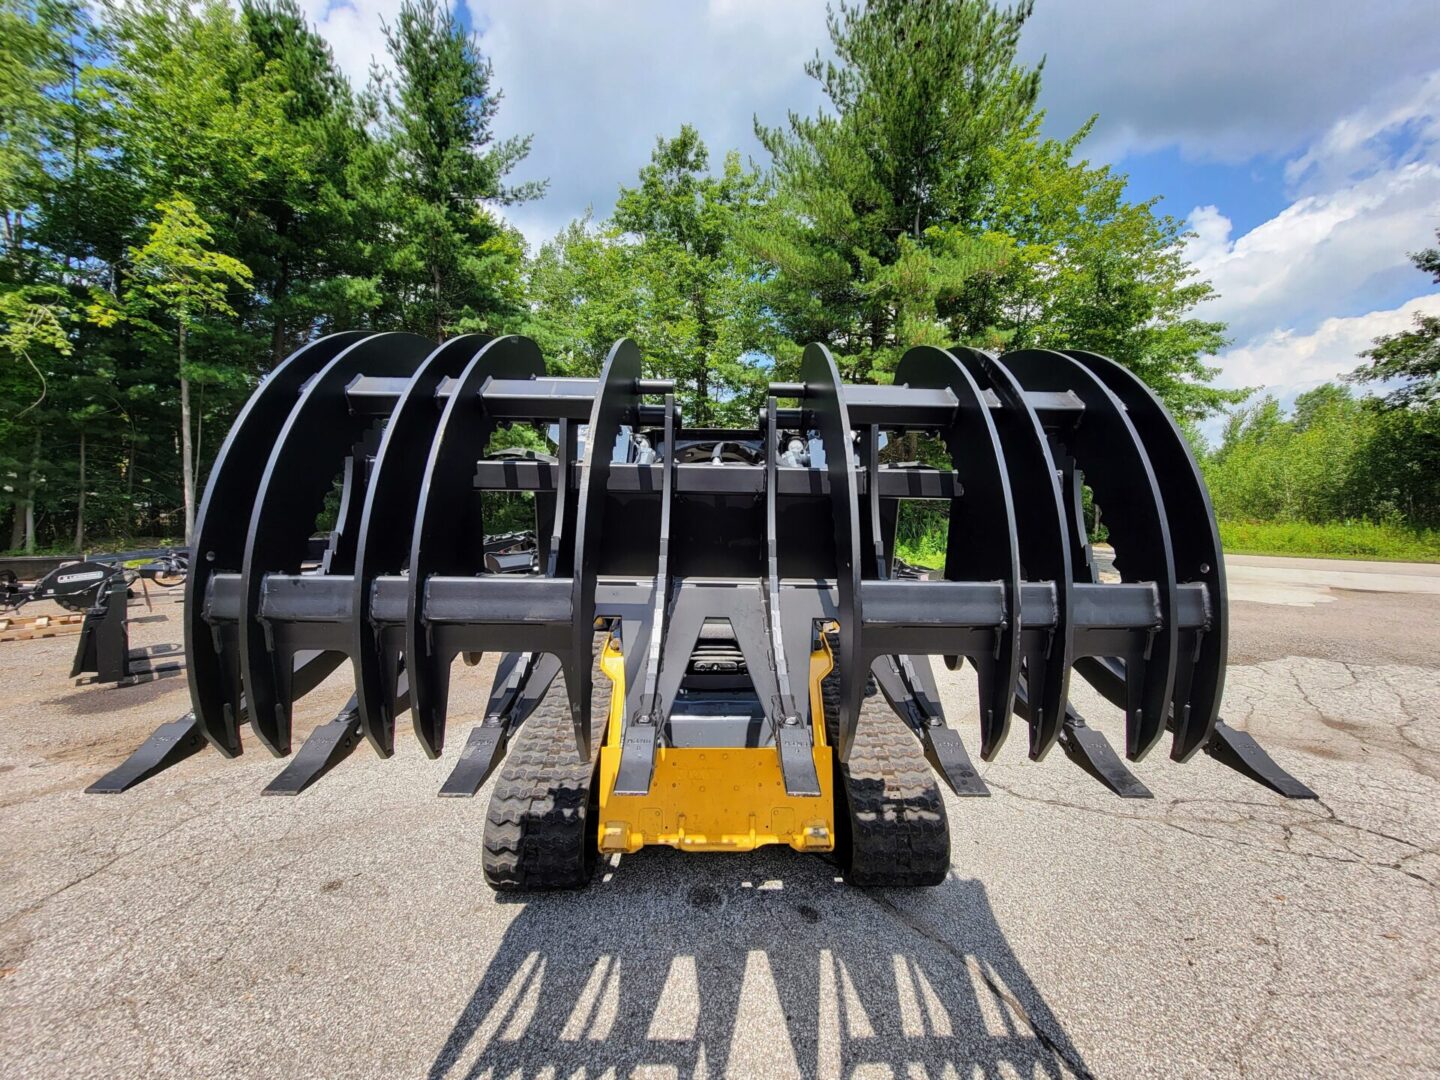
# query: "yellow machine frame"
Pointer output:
{"type": "Point", "coordinates": [714, 798]}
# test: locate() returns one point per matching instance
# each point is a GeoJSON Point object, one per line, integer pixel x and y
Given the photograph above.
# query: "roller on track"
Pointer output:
{"type": "Point", "coordinates": [706, 641]}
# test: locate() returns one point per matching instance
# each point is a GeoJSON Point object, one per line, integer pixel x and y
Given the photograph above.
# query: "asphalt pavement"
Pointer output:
{"type": "Point", "coordinates": [193, 928]}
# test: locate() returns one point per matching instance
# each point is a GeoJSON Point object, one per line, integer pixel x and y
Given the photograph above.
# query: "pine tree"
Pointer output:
{"type": "Point", "coordinates": [450, 263]}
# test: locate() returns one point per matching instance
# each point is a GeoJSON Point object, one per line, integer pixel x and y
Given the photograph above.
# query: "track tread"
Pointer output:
{"type": "Point", "coordinates": [897, 832]}
{"type": "Point", "coordinates": [538, 827]}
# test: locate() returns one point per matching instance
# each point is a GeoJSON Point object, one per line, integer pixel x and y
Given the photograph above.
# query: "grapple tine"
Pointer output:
{"type": "Point", "coordinates": [1090, 750]}
{"type": "Point", "coordinates": [616, 405]}
{"type": "Point", "coordinates": [981, 544]}
{"type": "Point", "coordinates": [310, 448]}
{"type": "Point", "coordinates": [170, 744]}
{"type": "Point", "coordinates": [218, 545]}
{"type": "Point", "coordinates": [1200, 682]}
{"type": "Point", "coordinates": [1044, 546]}
{"type": "Point", "coordinates": [1227, 745]}
{"type": "Point", "coordinates": [824, 403]}
{"type": "Point", "coordinates": [520, 682]}
{"type": "Point", "coordinates": [1109, 450]}
{"type": "Point", "coordinates": [391, 497]}
{"type": "Point", "coordinates": [439, 549]}
{"type": "Point", "coordinates": [909, 686]}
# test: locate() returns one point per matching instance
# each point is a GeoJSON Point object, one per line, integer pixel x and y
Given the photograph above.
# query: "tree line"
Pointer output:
{"type": "Point", "coordinates": [190, 191]}
{"type": "Point", "coordinates": [1335, 457]}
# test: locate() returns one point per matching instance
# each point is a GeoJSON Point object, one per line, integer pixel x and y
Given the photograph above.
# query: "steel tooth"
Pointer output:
{"type": "Point", "coordinates": [1238, 750]}
{"type": "Point", "coordinates": [520, 683]}
{"type": "Point", "coordinates": [328, 745]}
{"type": "Point", "coordinates": [483, 752]}
{"type": "Point", "coordinates": [170, 744]}
{"type": "Point", "coordinates": [945, 751]}
{"type": "Point", "coordinates": [908, 684]}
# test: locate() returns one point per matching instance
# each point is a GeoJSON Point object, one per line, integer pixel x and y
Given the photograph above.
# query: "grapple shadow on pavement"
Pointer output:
{"type": "Point", "coordinates": [705, 967]}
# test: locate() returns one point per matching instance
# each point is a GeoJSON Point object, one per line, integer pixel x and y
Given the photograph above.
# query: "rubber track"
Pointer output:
{"type": "Point", "coordinates": [895, 832]}
{"type": "Point", "coordinates": [538, 828]}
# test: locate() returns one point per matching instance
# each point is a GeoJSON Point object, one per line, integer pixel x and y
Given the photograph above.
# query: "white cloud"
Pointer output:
{"type": "Point", "coordinates": [1306, 291]}
{"type": "Point", "coordinates": [1356, 143]}
{"type": "Point", "coordinates": [598, 82]}
{"type": "Point", "coordinates": [1324, 254]}
{"type": "Point", "coordinates": [1222, 81]}
{"type": "Point", "coordinates": [1286, 363]}
{"type": "Point", "coordinates": [353, 29]}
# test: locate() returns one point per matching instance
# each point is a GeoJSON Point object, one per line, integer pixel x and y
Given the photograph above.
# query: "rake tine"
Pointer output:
{"type": "Point", "coordinates": [170, 744]}
{"type": "Point", "coordinates": [327, 746]}
{"type": "Point", "coordinates": [437, 548]}
{"type": "Point", "coordinates": [1090, 750]}
{"type": "Point", "coordinates": [1241, 752]}
{"type": "Point", "coordinates": [909, 686]}
{"type": "Point", "coordinates": [390, 496]}
{"type": "Point", "coordinates": [219, 545]}
{"type": "Point", "coordinates": [520, 683]}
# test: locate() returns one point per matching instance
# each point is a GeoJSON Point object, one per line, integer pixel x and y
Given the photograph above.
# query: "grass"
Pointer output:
{"type": "Point", "coordinates": [1336, 540]}
{"type": "Point", "coordinates": [93, 546]}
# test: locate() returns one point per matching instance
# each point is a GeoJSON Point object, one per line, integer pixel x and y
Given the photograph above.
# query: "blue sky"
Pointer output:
{"type": "Point", "coordinates": [1300, 140]}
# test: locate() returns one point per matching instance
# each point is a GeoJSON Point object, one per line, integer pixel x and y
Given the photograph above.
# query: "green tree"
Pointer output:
{"type": "Point", "coordinates": [32, 331]}
{"type": "Point", "coordinates": [178, 277]}
{"type": "Point", "coordinates": [450, 263]}
{"type": "Point", "coordinates": [583, 296]}
{"type": "Point", "coordinates": [1087, 268]}
{"type": "Point", "coordinates": [924, 207]}
{"type": "Point", "coordinates": [667, 270]}
{"type": "Point", "coordinates": [1413, 357]}
{"type": "Point", "coordinates": [861, 236]}
{"type": "Point", "coordinates": [699, 316]}
{"type": "Point", "coordinates": [299, 230]}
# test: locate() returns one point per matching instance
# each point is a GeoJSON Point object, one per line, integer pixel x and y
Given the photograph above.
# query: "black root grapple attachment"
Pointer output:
{"type": "Point", "coordinates": [764, 555]}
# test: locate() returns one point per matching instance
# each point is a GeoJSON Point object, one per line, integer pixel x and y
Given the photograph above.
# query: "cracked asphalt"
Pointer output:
{"type": "Point", "coordinates": [193, 928]}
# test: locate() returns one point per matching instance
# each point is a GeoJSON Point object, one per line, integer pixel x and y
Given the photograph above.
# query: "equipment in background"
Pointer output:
{"type": "Point", "coordinates": [100, 587]}
{"type": "Point", "coordinates": [711, 645]}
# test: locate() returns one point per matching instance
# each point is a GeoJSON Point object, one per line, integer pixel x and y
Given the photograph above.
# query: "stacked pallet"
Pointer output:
{"type": "Point", "coordinates": [30, 627]}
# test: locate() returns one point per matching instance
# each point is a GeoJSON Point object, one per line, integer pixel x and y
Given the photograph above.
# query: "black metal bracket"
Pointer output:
{"type": "Point", "coordinates": [103, 650]}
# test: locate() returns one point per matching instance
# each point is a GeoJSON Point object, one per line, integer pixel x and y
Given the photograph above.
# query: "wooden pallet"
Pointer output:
{"type": "Point", "coordinates": [30, 627]}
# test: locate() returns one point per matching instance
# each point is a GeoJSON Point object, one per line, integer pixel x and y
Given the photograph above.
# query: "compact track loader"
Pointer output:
{"type": "Point", "coordinates": [709, 646]}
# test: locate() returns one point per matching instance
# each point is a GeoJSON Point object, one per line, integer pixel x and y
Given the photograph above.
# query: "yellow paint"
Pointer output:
{"type": "Point", "coordinates": [714, 799]}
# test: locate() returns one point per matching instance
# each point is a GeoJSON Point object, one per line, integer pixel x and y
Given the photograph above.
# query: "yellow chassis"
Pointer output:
{"type": "Point", "coordinates": [714, 798]}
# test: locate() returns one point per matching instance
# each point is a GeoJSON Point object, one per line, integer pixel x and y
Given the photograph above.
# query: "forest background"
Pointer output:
{"type": "Point", "coordinates": [190, 191]}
